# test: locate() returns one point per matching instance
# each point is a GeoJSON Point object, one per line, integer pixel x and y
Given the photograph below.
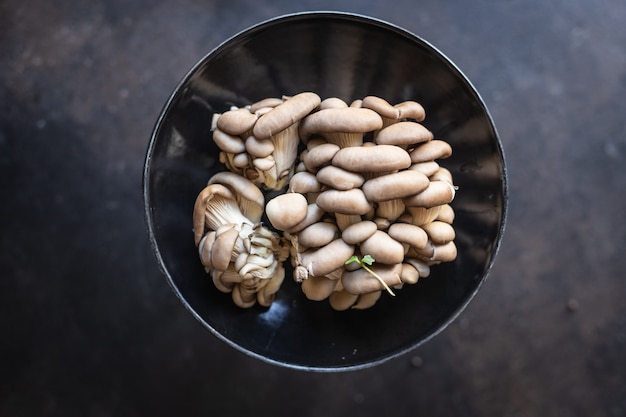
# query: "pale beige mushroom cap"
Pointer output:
{"type": "Point", "coordinates": [292, 110]}
{"type": "Point", "coordinates": [331, 122]}
{"type": "Point", "coordinates": [286, 210]}
{"type": "Point", "coordinates": [403, 134]}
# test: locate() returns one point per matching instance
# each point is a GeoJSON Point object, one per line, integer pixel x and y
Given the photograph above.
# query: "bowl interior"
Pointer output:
{"type": "Point", "coordinates": [346, 56]}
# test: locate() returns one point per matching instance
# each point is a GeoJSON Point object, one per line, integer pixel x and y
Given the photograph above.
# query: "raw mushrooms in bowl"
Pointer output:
{"type": "Point", "coordinates": [347, 58]}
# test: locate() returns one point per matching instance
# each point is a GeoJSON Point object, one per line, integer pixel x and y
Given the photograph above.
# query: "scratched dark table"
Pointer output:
{"type": "Point", "coordinates": [89, 326]}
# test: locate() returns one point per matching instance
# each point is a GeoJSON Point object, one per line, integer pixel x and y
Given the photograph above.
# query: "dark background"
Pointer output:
{"type": "Point", "coordinates": [89, 327]}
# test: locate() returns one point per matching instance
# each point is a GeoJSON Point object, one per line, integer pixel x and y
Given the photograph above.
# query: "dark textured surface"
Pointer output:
{"type": "Point", "coordinates": [90, 327]}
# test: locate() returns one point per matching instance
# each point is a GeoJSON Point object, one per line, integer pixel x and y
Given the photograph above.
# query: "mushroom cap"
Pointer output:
{"type": "Point", "coordinates": [318, 288]}
{"type": "Point", "coordinates": [439, 232]}
{"type": "Point", "coordinates": [408, 233]}
{"type": "Point", "coordinates": [437, 193]}
{"type": "Point", "coordinates": [380, 106]}
{"type": "Point", "coordinates": [383, 248]}
{"type": "Point", "coordinates": [403, 134]}
{"type": "Point", "coordinates": [367, 300]}
{"type": "Point", "coordinates": [285, 114]}
{"type": "Point", "coordinates": [395, 185]}
{"type": "Point", "coordinates": [318, 234]}
{"type": "Point", "coordinates": [361, 281]}
{"type": "Point", "coordinates": [339, 178]}
{"type": "Point", "coordinates": [431, 150]}
{"type": "Point", "coordinates": [446, 214]}
{"type": "Point", "coordinates": [222, 249]}
{"type": "Point", "coordinates": [304, 182]}
{"type": "Point", "coordinates": [409, 274]}
{"type": "Point", "coordinates": [313, 214]}
{"type": "Point", "coordinates": [377, 158]}
{"type": "Point", "coordinates": [286, 210]}
{"type": "Point", "coordinates": [319, 155]}
{"type": "Point", "coordinates": [265, 103]}
{"type": "Point", "coordinates": [427, 168]}
{"type": "Point", "coordinates": [344, 202]}
{"type": "Point", "coordinates": [204, 249]}
{"type": "Point", "coordinates": [236, 122]}
{"type": "Point", "coordinates": [342, 300]}
{"type": "Point", "coordinates": [444, 253]}
{"type": "Point", "coordinates": [333, 103]}
{"type": "Point", "coordinates": [358, 232]}
{"type": "Point", "coordinates": [227, 142]}
{"type": "Point", "coordinates": [249, 197]}
{"type": "Point", "coordinates": [340, 120]}
{"type": "Point", "coordinates": [259, 148]}
{"type": "Point", "coordinates": [411, 110]}
{"type": "Point", "coordinates": [422, 268]}
{"type": "Point", "coordinates": [322, 261]}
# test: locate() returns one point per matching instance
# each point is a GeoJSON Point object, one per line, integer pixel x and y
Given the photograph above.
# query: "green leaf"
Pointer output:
{"type": "Point", "coordinates": [368, 259]}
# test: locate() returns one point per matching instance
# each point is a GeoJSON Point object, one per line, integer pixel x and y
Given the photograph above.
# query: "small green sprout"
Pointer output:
{"type": "Point", "coordinates": [365, 263]}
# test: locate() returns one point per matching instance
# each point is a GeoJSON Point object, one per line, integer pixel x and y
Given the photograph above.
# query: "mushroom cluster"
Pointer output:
{"type": "Point", "coordinates": [260, 141]}
{"type": "Point", "coordinates": [368, 187]}
{"type": "Point", "coordinates": [242, 256]}
{"type": "Point", "coordinates": [366, 207]}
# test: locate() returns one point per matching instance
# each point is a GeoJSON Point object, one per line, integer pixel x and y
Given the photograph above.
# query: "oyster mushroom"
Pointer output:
{"type": "Point", "coordinates": [319, 156]}
{"type": "Point", "coordinates": [383, 248]}
{"type": "Point", "coordinates": [344, 127]}
{"type": "Point", "coordinates": [411, 110]}
{"type": "Point", "coordinates": [339, 178]}
{"type": "Point", "coordinates": [318, 288]}
{"type": "Point", "coordinates": [367, 300]}
{"type": "Point", "coordinates": [436, 194]}
{"type": "Point", "coordinates": [361, 281]}
{"type": "Point", "coordinates": [286, 210]}
{"type": "Point", "coordinates": [408, 234]}
{"type": "Point", "coordinates": [381, 106]}
{"type": "Point", "coordinates": [439, 232]}
{"type": "Point", "coordinates": [352, 202]}
{"type": "Point", "coordinates": [280, 125]}
{"type": "Point", "coordinates": [322, 261]}
{"type": "Point", "coordinates": [227, 142]}
{"type": "Point", "coordinates": [318, 234]}
{"type": "Point", "coordinates": [431, 150]}
{"type": "Point", "coordinates": [377, 158]}
{"type": "Point", "coordinates": [358, 232]}
{"type": "Point", "coordinates": [215, 206]}
{"type": "Point", "coordinates": [446, 214]}
{"type": "Point", "coordinates": [247, 195]}
{"type": "Point", "coordinates": [342, 300]}
{"type": "Point", "coordinates": [403, 134]}
{"type": "Point", "coordinates": [236, 122]}
{"type": "Point", "coordinates": [265, 103]}
{"type": "Point", "coordinates": [399, 184]}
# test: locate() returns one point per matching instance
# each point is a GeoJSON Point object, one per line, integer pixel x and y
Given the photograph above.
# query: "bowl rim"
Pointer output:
{"type": "Point", "coordinates": [340, 15]}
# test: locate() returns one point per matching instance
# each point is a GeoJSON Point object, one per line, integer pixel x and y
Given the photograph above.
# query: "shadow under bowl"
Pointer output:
{"type": "Point", "coordinates": [347, 56]}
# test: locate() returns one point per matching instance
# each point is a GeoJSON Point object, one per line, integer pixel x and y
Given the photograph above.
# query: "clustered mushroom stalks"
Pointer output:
{"type": "Point", "coordinates": [242, 256]}
{"type": "Point", "coordinates": [260, 141]}
{"type": "Point", "coordinates": [367, 206]}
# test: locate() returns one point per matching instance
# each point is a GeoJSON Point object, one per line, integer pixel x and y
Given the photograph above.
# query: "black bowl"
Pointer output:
{"type": "Point", "coordinates": [347, 56]}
